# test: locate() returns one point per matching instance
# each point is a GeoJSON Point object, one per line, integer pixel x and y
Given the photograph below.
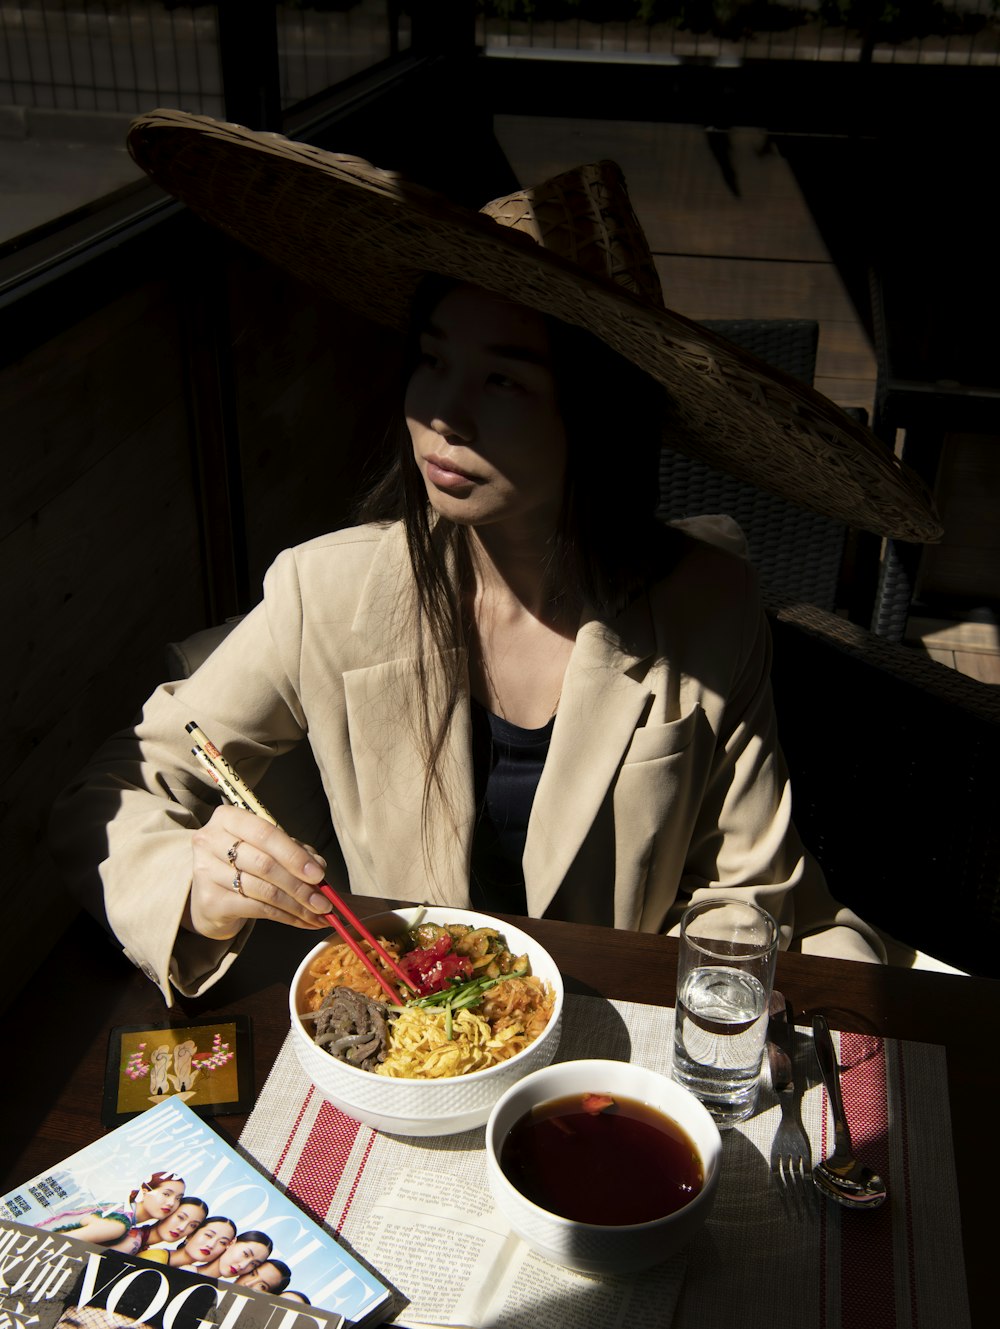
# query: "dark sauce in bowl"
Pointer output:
{"type": "Point", "coordinates": [611, 1165]}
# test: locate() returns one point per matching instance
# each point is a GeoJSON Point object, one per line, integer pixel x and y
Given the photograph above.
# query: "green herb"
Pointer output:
{"type": "Point", "coordinates": [458, 997]}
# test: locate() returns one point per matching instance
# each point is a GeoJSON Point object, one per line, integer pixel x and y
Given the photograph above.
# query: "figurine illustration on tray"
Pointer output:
{"type": "Point", "coordinates": [206, 1064]}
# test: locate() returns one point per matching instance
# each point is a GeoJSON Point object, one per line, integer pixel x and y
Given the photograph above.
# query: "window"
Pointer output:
{"type": "Point", "coordinates": [74, 72]}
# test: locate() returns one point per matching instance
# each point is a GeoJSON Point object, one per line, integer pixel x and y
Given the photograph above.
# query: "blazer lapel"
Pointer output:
{"type": "Point", "coordinates": [602, 702]}
{"type": "Point", "coordinates": [388, 756]}
{"type": "Point", "coordinates": [384, 702]}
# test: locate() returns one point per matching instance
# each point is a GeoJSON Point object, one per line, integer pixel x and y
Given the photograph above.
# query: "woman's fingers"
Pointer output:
{"type": "Point", "coordinates": [272, 856]}
{"type": "Point", "coordinates": [246, 868]}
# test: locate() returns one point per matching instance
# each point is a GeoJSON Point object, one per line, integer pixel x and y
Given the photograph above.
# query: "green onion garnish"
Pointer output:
{"type": "Point", "coordinates": [458, 997]}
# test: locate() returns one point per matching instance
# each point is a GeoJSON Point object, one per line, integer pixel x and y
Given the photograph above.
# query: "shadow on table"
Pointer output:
{"type": "Point", "coordinates": [600, 1033]}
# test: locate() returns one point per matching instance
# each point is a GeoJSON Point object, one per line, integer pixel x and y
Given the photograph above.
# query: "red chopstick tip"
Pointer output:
{"type": "Point", "coordinates": [359, 927]}
{"type": "Point", "coordinates": [365, 959]}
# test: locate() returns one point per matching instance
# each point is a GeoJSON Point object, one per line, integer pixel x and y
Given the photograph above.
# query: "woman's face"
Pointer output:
{"type": "Point", "coordinates": [162, 1201]}
{"type": "Point", "coordinates": [263, 1279]}
{"type": "Point", "coordinates": [180, 1224]}
{"type": "Point", "coordinates": [241, 1257]}
{"type": "Point", "coordinates": [482, 411]}
{"type": "Point", "coordinates": [209, 1242]}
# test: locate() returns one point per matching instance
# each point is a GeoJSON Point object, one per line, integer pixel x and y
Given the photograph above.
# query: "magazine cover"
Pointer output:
{"type": "Point", "coordinates": [166, 1187]}
{"type": "Point", "coordinates": [52, 1281]}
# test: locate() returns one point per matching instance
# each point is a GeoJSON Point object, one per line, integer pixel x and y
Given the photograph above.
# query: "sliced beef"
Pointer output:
{"type": "Point", "coordinates": [352, 1027]}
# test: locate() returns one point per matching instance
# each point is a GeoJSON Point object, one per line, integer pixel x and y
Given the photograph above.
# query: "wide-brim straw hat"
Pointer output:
{"type": "Point", "coordinates": [571, 248]}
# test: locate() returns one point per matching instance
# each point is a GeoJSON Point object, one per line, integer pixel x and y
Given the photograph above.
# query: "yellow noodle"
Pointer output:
{"type": "Point", "coordinates": [420, 1049]}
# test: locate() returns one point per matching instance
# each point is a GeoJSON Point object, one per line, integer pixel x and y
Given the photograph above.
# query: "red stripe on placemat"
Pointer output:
{"type": "Point", "coordinates": [354, 1183]}
{"type": "Point", "coordinates": [323, 1159]}
{"type": "Point", "coordinates": [295, 1126]}
{"type": "Point", "coordinates": [867, 1276]}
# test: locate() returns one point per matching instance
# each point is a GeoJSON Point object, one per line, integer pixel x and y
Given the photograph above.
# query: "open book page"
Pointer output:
{"type": "Point", "coordinates": [443, 1239]}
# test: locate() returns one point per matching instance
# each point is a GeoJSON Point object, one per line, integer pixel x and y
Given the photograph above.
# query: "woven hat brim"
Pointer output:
{"type": "Point", "coordinates": [368, 237]}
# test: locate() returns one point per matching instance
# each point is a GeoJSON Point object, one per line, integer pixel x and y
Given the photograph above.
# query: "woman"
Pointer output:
{"type": "Point", "coordinates": [519, 690]}
{"type": "Point", "coordinates": [272, 1276]}
{"type": "Point", "coordinates": [204, 1246]}
{"type": "Point", "coordinates": [176, 1227]}
{"type": "Point", "coordinates": [154, 1200]}
{"type": "Point", "coordinates": [241, 1256]}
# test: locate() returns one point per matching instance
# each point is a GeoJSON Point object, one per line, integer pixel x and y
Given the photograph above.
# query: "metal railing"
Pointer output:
{"type": "Point", "coordinates": [923, 32]}
{"type": "Point", "coordinates": [129, 55]}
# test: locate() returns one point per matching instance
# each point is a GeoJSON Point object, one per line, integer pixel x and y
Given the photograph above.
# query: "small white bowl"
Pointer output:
{"type": "Point", "coordinates": [589, 1247]}
{"type": "Point", "coordinates": [425, 1107]}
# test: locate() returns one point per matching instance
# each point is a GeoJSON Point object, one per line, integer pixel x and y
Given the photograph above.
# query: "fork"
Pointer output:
{"type": "Point", "coordinates": [791, 1153]}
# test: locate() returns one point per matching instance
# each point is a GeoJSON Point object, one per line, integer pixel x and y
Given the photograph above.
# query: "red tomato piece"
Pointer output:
{"type": "Point", "coordinates": [594, 1103]}
{"type": "Point", "coordinates": [433, 967]}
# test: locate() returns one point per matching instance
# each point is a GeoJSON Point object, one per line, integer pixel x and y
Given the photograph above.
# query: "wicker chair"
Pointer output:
{"type": "Point", "coordinates": [796, 553]}
{"type": "Point", "coordinates": [895, 766]}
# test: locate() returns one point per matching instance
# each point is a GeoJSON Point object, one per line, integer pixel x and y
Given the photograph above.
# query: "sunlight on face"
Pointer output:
{"type": "Point", "coordinates": [482, 411]}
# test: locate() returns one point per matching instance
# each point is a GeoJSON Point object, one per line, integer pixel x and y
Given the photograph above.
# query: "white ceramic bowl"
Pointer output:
{"type": "Point", "coordinates": [425, 1107]}
{"type": "Point", "coordinates": [587, 1246]}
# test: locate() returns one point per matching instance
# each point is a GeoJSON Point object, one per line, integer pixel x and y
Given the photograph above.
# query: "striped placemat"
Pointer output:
{"type": "Point", "coordinates": [764, 1258]}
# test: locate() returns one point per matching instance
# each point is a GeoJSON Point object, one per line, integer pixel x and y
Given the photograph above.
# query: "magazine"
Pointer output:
{"type": "Point", "coordinates": [52, 1279]}
{"type": "Point", "coordinates": [165, 1189]}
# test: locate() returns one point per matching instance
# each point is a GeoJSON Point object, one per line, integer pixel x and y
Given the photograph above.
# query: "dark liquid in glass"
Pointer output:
{"type": "Point", "coordinates": [626, 1164]}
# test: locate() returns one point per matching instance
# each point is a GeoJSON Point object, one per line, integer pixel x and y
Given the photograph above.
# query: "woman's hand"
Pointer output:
{"type": "Point", "coordinates": [276, 876]}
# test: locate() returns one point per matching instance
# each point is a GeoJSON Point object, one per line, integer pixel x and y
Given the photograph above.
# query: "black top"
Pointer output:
{"type": "Point", "coordinates": [507, 763]}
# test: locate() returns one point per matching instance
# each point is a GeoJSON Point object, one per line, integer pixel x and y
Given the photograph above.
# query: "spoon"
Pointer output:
{"type": "Point", "coordinates": [841, 1176]}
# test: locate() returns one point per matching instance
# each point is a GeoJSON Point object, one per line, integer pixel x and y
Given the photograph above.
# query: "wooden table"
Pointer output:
{"type": "Point", "coordinates": [57, 1034]}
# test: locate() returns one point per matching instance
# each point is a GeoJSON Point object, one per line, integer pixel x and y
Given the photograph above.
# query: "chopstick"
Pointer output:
{"type": "Point", "coordinates": [239, 793]}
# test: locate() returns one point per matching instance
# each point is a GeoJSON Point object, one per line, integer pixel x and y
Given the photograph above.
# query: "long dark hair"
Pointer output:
{"type": "Point", "coordinates": [214, 1219]}
{"type": "Point", "coordinates": [607, 546]}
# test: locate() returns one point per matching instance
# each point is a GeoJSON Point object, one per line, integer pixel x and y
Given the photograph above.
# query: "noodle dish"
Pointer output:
{"type": "Point", "coordinates": [484, 1008]}
{"type": "Point", "coordinates": [473, 1003]}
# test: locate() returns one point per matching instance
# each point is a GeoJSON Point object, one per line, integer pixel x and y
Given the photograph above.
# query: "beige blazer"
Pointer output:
{"type": "Point", "coordinates": [663, 779]}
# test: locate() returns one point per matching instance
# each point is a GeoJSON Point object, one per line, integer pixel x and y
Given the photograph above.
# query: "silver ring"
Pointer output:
{"type": "Point", "coordinates": [237, 884]}
{"type": "Point", "coordinates": [231, 854]}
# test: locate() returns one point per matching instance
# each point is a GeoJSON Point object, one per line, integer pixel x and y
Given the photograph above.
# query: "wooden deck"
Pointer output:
{"type": "Point", "coordinates": [733, 238]}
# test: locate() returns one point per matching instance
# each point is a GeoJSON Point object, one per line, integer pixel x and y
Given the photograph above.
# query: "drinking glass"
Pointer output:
{"type": "Point", "coordinates": [724, 976]}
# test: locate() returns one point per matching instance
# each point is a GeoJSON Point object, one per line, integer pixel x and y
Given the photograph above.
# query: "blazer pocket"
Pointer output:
{"type": "Point", "coordinates": [663, 740]}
